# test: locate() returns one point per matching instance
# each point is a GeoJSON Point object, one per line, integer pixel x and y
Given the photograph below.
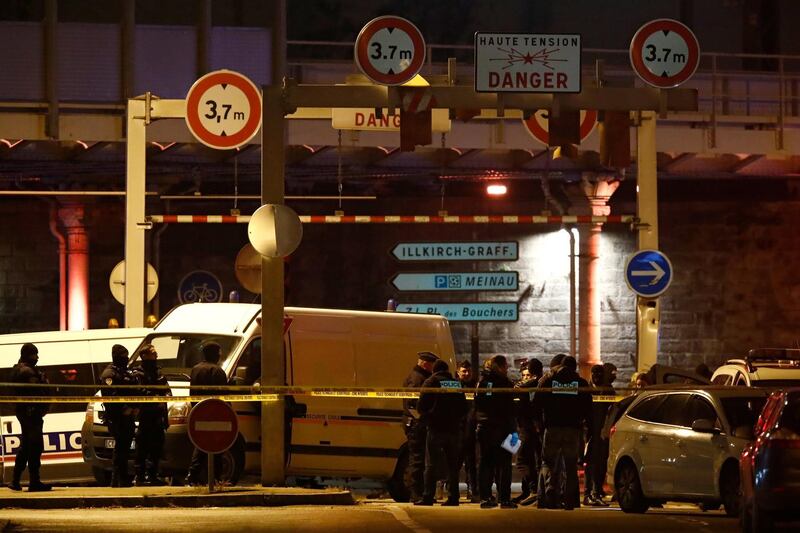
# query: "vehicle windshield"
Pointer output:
{"type": "Point", "coordinates": [742, 411]}
{"type": "Point", "coordinates": [177, 354]}
{"type": "Point", "coordinates": [777, 383]}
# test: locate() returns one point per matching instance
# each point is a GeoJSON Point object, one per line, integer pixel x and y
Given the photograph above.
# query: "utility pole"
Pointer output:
{"type": "Point", "coordinates": [273, 364]}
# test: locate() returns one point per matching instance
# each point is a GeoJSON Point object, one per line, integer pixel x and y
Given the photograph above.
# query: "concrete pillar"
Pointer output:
{"type": "Point", "coordinates": [596, 193]}
{"type": "Point", "coordinates": [71, 216]}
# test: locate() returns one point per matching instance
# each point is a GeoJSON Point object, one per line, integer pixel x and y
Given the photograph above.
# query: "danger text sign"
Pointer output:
{"type": "Point", "coordinates": [527, 63]}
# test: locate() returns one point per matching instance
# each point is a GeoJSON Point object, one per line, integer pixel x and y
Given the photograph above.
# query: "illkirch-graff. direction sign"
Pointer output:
{"type": "Point", "coordinates": [457, 281]}
{"type": "Point", "coordinates": [457, 251]}
{"type": "Point", "coordinates": [466, 312]}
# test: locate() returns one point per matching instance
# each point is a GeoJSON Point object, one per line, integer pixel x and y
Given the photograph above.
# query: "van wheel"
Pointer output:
{"type": "Point", "coordinates": [232, 463]}
{"type": "Point", "coordinates": [628, 489]}
{"type": "Point", "coordinates": [101, 476]}
{"type": "Point", "coordinates": [396, 484]}
{"type": "Point", "coordinates": [729, 489]}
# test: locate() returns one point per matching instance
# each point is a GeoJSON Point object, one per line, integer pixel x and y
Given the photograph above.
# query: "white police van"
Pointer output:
{"type": "Point", "coordinates": [66, 357]}
{"type": "Point", "coordinates": [326, 437]}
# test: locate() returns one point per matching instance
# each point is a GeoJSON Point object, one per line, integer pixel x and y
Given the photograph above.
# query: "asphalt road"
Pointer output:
{"type": "Point", "coordinates": [383, 516]}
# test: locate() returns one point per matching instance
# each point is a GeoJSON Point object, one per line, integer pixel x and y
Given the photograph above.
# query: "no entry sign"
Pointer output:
{"type": "Point", "coordinates": [664, 53]}
{"type": "Point", "coordinates": [538, 125]}
{"type": "Point", "coordinates": [223, 109]}
{"type": "Point", "coordinates": [390, 50]}
{"type": "Point", "coordinates": [523, 62]}
{"type": "Point", "coordinates": [213, 426]}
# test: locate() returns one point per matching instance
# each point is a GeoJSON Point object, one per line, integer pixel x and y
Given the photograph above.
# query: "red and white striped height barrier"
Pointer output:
{"type": "Point", "coordinates": [404, 219]}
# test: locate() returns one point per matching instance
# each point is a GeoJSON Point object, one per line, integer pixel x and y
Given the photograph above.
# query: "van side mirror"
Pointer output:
{"type": "Point", "coordinates": [704, 425]}
{"type": "Point", "coordinates": [744, 432]}
{"type": "Point", "coordinates": [240, 377]}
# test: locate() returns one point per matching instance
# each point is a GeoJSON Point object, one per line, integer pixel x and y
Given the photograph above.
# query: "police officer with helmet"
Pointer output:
{"type": "Point", "coordinates": [415, 428]}
{"type": "Point", "coordinates": [31, 419]}
{"type": "Point", "coordinates": [120, 417]}
{"type": "Point", "coordinates": [564, 411]}
{"type": "Point", "coordinates": [443, 414]}
{"type": "Point", "coordinates": [153, 419]}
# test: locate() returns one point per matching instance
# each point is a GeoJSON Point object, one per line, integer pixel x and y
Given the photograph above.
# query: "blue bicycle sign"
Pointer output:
{"type": "Point", "coordinates": [200, 286]}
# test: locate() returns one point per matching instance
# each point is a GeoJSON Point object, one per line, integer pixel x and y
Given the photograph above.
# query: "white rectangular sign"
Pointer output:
{"type": "Point", "coordinates": [527, 63]}
{"type": "Point", "coordinates": [367, 120]}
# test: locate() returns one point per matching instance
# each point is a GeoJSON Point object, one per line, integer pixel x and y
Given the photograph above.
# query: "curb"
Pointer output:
{"type": "Point", "coordinates": [177, 500]}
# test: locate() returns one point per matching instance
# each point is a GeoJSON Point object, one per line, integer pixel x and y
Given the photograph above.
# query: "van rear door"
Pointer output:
{"type": "Point", "coordinates": [322, 355]}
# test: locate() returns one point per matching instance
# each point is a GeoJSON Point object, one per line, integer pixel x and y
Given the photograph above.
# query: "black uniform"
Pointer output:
{"type": "Point", "coordinates": [563, 415]}
{"type": "Point", "coordinates": [597, 446]}
{"type": "Point", "coordinates": [496, 417]}
{"type": "Point", "coordinates": [31, 418]}
{"type": "Point", "coordinates": [153, 423]}
{"type": "Point", "coordinates": [205, 375]}
{"type": "Point", "coordinates": [120, 417]}
{"type": "Point", "coordinates": [443, 414]}
{"type": "Point", "coordinates": [416, 433]}
{"type": "Point", "coordinates": [529, 456]}
{"type": "Point", "coordinates": [468, 456]}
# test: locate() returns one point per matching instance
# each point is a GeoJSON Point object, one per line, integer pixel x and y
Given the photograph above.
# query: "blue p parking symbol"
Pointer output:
{"type": "Point", "coordinates": [440, 282]}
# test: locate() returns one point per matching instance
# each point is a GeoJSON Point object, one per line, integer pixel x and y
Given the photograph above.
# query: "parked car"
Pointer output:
{"type": "Point", "coordinates": [682, 445]}
{"type": "Point", "coordinates": [764, 367]}
{"type": "Point", "coordinates": [770, 465]}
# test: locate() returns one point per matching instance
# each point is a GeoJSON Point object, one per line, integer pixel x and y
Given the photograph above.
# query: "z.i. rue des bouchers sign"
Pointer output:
{"type": "Point", "coordinates": [525, 62]}
{"type": "Point", "coordinates": [466, 312]}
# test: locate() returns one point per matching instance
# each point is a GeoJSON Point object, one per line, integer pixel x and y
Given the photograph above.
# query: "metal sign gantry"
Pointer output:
{"type": "Point", "coordinates": [285, 99]}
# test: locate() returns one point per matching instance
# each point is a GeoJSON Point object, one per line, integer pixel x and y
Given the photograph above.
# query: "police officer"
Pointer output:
{"type": "Point", "coordinates": [416, 431]}
{"type": "Point", "coordinates": [153, 419]}
{"type": "Point", "coordinates": [496, 416]}
{"type": "Point", "coordinates": [204, 376]}
{"type": "Point", "coordinates": [564, 411]}
{"type": "Point", "coordinates": [529, 455]}
{"type": "Point", "coordinates": [120, 417]}
{"type": "Point", "coordinates": [468, 455]}
{"type": "Point", "coordinates": [597, 447]}
{"type": "Point", "coordinates": [443, 414]}
{"type": "Point", "coordinates": [31, 419]}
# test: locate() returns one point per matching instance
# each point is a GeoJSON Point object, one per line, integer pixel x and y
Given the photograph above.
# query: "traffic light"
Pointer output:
{"type": "Point", "coordinates": [615, 139]}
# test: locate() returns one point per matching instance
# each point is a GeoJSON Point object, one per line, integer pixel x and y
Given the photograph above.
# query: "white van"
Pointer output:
{"type": "Point", "coordinates": [326, 437]}
{"type": "Point", "coordinates": [66, 357]}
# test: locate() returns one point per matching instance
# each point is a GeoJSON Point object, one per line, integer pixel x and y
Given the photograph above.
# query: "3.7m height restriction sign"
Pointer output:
{"type": "Point", "coordinates": [223, 109]}
{"type": "Point", "coordinates": [664, 53]}
{"type": "Point", "coordinates": [390, 50]}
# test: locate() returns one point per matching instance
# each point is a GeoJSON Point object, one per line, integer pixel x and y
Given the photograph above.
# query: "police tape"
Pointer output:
{"type": "Point", "coordinates": [268, 394]}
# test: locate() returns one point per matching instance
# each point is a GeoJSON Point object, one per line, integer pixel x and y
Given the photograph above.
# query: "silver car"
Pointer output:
{"type": "Point", "coordinates": [682, 445]}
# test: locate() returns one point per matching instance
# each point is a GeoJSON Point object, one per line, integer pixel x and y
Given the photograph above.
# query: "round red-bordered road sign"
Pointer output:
{"type": "Point", "coordinates": [213, 426]}
{"type": "Point", "coordinates": [390, 50]}
{"type": "Point", "coordinates": [223, 109]}
{"type": "Point", "coordinates": [664, 53]}
{"type": "Point", "coordinates": [537, 125]}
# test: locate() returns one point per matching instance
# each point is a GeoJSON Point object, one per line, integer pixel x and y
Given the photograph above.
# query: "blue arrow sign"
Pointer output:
{"type": "Point", "coordinates": [466, 312]}
{"type": "Point", "coordinates": [457, 251]}
{"type": "Point", "coordinates": [648, 273]}
{"type": "Point", "coordinates": [456, 281]}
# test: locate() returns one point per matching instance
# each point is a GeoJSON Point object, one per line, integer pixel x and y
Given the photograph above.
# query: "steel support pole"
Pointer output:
{"type": "Point", "coordinates": [273, 366]}
{"type": "Point", "coordinates": [134, 214]}
{"type": "Point", "coordinates": [273, 161]}
{"type": "Point", "coordinates": [647, 310]}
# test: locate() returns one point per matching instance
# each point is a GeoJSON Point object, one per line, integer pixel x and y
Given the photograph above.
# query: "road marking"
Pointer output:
{"type": "Point", "coordinates": [403, 517]}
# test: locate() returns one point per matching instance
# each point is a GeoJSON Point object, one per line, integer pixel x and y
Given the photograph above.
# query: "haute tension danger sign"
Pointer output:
{"type": "Point", "coordinates": [527, 63]}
